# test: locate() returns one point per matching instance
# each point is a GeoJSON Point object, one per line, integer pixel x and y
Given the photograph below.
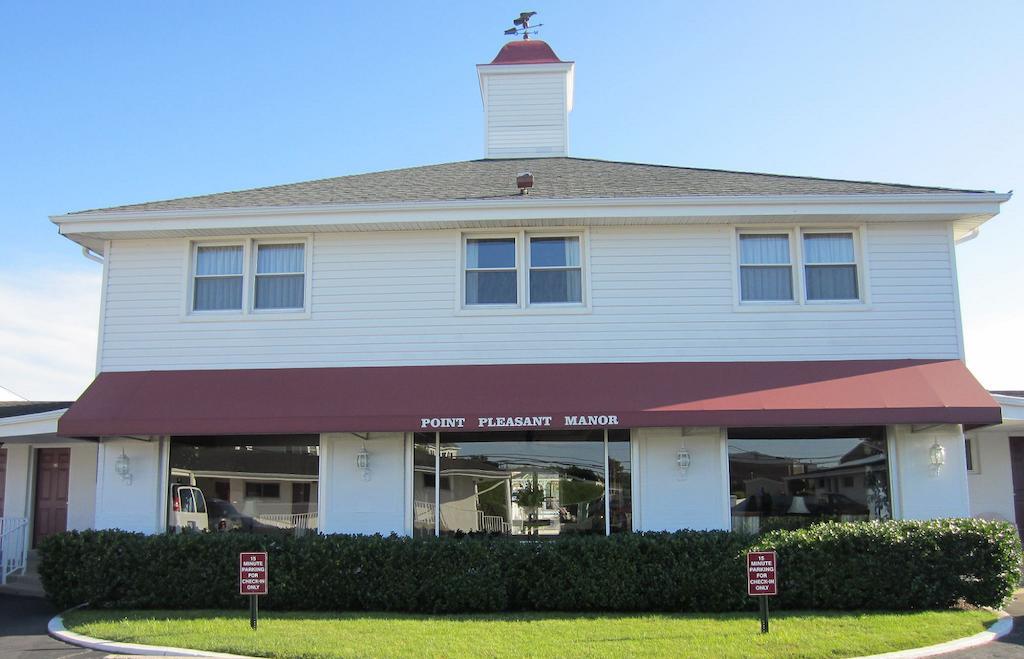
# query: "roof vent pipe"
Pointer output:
{"type": "Point", "coordinates": [524, 180]}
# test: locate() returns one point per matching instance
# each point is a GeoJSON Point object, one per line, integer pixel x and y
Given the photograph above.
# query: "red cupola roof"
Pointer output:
{"type": "Point", "coordinates": [526, 51]}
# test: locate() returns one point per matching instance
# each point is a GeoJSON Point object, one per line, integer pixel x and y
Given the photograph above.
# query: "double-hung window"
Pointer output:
{"type": "Point", "coordinates": [766, 267]}
{"type": "Point", "coordinates": [830, 266]}
{"type": "Point", "coordinates": [556, 274]}
{"type": "Point", "coordinates": [250, 276]}
{"type": "Point", "coordinates": [523, 270]}
{"type": "Point", "coordinates": [822, 268]}
{"type": "Point", "coordinates": [280, 276]}
{"type": "Point", "coordinates": [218, 278]}
{"type": "Point", "coordinates": [491, 271]}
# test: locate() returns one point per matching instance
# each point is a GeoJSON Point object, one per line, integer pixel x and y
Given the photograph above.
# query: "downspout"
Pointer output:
{"type": "Point", "coordinates": [91, 255]}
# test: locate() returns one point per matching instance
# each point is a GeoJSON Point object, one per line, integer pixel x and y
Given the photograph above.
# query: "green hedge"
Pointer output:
{"type": "Point", "coordinates": [891, 565]}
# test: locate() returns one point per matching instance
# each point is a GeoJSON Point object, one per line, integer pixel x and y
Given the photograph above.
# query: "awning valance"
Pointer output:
{"type": "Point", "coordinates": [529, 396]}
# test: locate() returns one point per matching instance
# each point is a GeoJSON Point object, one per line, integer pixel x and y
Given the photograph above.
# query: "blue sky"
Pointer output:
{"type": "Point", "coordinates": [106, 103]}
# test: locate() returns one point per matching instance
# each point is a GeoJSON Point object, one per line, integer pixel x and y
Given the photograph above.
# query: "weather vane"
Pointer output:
{"type": "Point", "coordinates": [522, 25]}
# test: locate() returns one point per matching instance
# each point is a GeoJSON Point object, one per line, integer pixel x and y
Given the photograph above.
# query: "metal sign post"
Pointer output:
{"type": "Point", "coordinates": [252, 580]}
{"type": "Point", "coordinates": [762, 580]}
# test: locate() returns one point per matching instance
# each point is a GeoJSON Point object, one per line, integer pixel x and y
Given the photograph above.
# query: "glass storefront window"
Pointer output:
{"type": "Point", "coordinates": [257, 484]}
{"type": "Point", "coordinates": [791, 477]}
{"type": "Point", "coordinates": [530, 484]}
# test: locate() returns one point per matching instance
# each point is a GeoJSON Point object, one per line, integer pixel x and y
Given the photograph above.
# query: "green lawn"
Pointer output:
{"type": "Point", "coordinates": [793, 634]}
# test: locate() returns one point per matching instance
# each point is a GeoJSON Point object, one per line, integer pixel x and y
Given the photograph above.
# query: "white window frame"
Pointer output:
{"type": "Point", "coordinates": [794, 280]}
{"type": "Point", "coordinates": [522, 249]}
{"type": "Point", "coordinates": [798, 264]}
{"type": "Point", "coordinates": [248, 310]}
{"type": "Point", "coordinates": [529, 267]}
{"type": "Point", "coordinates": [856, 263]}
{"type": "Point", "coordinates": [254, 255]}
{"type": "Point", "coordinates": [516, 269]}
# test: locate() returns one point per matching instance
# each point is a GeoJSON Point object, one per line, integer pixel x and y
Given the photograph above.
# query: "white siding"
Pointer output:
{"type": "Point", "coordinates": [663, 501]}
{"type": "Point", "coordinates": [140, 504]}
{"type": "Point", "coordinates": [658, 293]}
{"type": "Point", "coordinates": [526, 115]}
{"type": "Point", "coordinates": [351, 504]}
{"type": "Point", "coordinates": [991, 483]}
{"type": "Point", "coordinates": [920, 493]}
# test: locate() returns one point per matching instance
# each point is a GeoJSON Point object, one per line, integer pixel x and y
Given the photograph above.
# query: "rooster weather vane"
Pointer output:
{"type": "Point", "coordinates": [522, 25]}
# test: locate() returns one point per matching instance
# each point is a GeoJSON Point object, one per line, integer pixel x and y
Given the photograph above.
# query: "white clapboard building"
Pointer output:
{"type": "Point", "coordinates": [531, 344]}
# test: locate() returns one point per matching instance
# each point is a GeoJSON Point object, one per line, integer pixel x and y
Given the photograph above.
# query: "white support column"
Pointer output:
{"type": "Point", "coordinates": [919, 492]}
{"type": "Point", "coordinates": [670, 500]}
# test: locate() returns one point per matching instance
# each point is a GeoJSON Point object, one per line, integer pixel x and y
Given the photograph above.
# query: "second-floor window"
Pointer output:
{"type": "Point", "coordinates": [218, 278]}
{"type": "Point", "coordinates": [799, 266]}
{"type": "Point", "coordinates": [830, 266]}
{"type": "Point", "coordinates": [523, 270]}
{"type": "Point", "coordinates": [280, 276]}
{"type": "Point", "coordinates": [766, 267]}
{"type": "Point", "coordinates": [491, 271]}
{"type": "Point", "coordinates": [248, 276]}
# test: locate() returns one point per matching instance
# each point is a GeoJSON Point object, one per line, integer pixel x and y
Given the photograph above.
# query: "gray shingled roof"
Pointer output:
{"type": "Point", "coordinates": [555, 178]}
{"type": "Point", "coordinates": [20, 407]}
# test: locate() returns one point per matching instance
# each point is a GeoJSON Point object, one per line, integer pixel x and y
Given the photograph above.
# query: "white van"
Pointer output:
{"type": "Point", "coordinates": [188, 509]}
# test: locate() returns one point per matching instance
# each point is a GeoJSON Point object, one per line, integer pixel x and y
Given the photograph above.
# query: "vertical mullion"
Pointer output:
{"type": "Point", "coordinates": [607, 489]}
{"type": "Point", "coordinates": [437, 484]}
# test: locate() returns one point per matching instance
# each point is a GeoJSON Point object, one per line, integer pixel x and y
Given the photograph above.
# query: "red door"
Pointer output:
{"type": "Point", "coordinates": [1017, 469]}
{"type": "Point", "coordinates": [51, 509]}
{"type": "Point", "coordinates": [3, 478]}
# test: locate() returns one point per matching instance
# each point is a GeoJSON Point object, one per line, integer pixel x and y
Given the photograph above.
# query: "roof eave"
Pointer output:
{"type": "Point", "coordinates": [951, 205]}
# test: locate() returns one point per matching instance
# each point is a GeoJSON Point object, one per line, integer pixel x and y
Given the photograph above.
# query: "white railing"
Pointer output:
{"type": "Point", "coordinates": [493, 523]}
{"type": "Point", "coordinates": [425, 512]}
{"type": "Point", "coordinates": [301, 522]}
{"type": "Point", "coordinates": [13, 546]}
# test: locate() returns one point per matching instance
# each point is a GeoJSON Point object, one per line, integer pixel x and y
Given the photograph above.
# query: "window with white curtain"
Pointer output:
{"type": "Point", "coordinates": [280, 276]}
{"type": "Point", "coordinates": [830, 266]}
{"type": "Point", "coordinates": [218, 278]}
{"type": "Point", "coordinates": [556, 273]}
{"type": "Point", "coordinates": [523, 269]}
{"type": "Point", "coordinates": [249, 276]}
{"type": "Point", "coordinates": [766, 268]}
{"type": "Point", "coordinates": [491, 271]}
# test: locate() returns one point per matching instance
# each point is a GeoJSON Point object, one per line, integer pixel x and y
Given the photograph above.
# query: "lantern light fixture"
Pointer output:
{"type": "Point", "coordinates": [363, 462]}
{"type": "Point", "coordinates": [122, 467]}
{"type": "Point", "coordinates": [683, 460]}
{"type": "Point", "coordinates": [936, 457]}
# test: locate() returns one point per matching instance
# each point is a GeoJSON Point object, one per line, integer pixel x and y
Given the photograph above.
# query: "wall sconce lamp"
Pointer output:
{"type": "Point", "coordinates": [363, 462]}
{"type": "Point", "coordinates": [122, 467]}
{"type": "Point", "coordinates": [936, 457]}
{"type": "Point", "coordinates": [683, 460]}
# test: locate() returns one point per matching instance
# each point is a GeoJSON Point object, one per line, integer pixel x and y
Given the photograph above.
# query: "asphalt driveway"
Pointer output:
{"type": "Point", "coordinates": [23, 631]}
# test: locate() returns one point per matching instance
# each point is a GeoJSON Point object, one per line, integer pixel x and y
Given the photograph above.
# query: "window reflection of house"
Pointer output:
{"type": "Point", "coordinates": [252, 483]}
{"type": "Point", "coordinates": [513, 483]}
{"type": "Point", "coordinates": [807, 474]}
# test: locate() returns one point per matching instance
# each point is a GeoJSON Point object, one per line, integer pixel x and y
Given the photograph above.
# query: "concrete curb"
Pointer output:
{"type": "Point", "coordinates": [999, 629]}
{"type": "Point", "coordinates": [56, 629]}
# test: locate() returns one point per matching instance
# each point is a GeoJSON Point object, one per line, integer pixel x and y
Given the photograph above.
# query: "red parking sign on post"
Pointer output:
{"type": "Point", "coordinates": [761, 573]}
{"type": "Point", "coordinates": [252, 580]}
{"type": "Point", "coordinates": [762, 580]}
{"type": "Point", "coordinates": [252, 573]}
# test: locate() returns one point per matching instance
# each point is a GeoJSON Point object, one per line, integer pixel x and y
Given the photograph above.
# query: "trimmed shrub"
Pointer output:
{"type": "Point", "coordinates": [899, 565]}
{"type": "Point", "coordinates": [890, 565]}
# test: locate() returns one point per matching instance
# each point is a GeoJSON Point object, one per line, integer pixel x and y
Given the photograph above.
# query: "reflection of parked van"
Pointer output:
{"type": "Point", "coordinates": [188, 509]}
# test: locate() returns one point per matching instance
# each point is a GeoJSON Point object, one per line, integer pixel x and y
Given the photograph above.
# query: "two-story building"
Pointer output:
{"type": "Point", "coordinates": [532, 344]}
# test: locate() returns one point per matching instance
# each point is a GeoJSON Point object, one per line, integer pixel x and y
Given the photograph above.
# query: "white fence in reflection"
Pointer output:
{"type": "Point", "coordinates": [301, 522]}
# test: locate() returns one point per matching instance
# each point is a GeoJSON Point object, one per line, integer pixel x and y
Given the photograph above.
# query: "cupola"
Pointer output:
{"type": "Point", "coordinates": [527, 97]}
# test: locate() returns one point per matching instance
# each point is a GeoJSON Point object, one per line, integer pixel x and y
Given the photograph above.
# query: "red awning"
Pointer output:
{"type": "Point", "coordinates": [517, 396]}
